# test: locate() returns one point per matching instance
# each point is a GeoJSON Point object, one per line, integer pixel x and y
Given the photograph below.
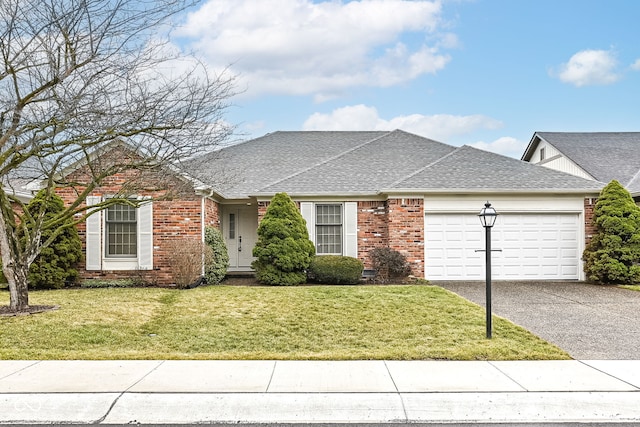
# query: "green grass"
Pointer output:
{"type": "Point", "coordinates": [631, 287]}
{"type": "Point", "coordinates": [232, 322]}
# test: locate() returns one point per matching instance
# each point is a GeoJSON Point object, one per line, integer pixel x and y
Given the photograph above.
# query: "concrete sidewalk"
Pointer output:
{"type": "Point", "coordinates": [175, 392]}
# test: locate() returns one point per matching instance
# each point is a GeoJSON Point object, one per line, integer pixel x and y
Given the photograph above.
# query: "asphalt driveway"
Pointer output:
{"type": "Point", "coordinates": [588, 321]}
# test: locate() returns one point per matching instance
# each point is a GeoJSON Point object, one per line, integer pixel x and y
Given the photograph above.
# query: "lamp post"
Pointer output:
{"type": "Point", "coordinates": [488, 217]}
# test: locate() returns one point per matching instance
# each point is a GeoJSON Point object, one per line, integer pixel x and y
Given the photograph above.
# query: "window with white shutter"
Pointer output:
{"type": "Point", "coordinates": [119, 237]}
{"type": "Point", "coordinates": [333, 227]}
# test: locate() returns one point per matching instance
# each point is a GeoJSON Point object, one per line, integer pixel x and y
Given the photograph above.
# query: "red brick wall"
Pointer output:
{"type": "Point", "coordinates": [406, 231]}
{"type": "Point", "coordinates": [212, 213]}
{"type": "Point", "coordinates": [373, 230]}
{"type": "Point", "coordinates": [177, 215]}
{"type": "Point", "coordinates": [262, 210]}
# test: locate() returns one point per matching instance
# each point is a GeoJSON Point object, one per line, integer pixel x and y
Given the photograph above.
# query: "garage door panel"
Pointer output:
{"type": "Point", "coordinates": [568, 236]}
{"type": "Point", "coordinates": [569, 270]}
{"type": "Point", "coordinates": [533, 246]}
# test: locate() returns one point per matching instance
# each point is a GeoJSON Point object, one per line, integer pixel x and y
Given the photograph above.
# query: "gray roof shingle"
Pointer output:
{"type": "Point", "coordinates": [469, 168]}
{"type": "Point", "coordinates": [367, 168]}
{"type": "Point", "coordinates": [331, 163]}
{"type": "Point", "coordinates": [603, 155]}
{"type": "Point", "coordinates": [243, 169]}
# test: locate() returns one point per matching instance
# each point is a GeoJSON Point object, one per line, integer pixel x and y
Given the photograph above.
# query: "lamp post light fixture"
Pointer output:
{"type": "Point", "coordinates": [488, 216]}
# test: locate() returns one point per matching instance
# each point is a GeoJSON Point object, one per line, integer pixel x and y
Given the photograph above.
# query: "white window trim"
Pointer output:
{"type": "Point", "coordinates": [96, 251]}
{"type": "Point", "coordinates": [349, 224]}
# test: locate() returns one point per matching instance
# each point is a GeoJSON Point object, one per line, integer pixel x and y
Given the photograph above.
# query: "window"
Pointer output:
{"type": "Point", "coordinates": [542, 154]}
{"type": "Point", "coordinates": [119, 237]}
{"type": "Point", "coordinates": [121, 231]}
{"type": "Point", "coordinates": [329, 229]}
{"type": "Point", "coordinates": [332, 226]}
{"type": "Point", "coordinates": [232, 226]}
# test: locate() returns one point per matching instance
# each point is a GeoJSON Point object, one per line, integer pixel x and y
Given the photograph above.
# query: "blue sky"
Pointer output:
{"type": "Point", "coordinates": [487, 73]}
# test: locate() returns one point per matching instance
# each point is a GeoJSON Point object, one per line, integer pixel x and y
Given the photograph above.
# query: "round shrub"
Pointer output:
{"type": "Point", "coordinates": [283, 250]}
{"type": "Point", "coordinates": [217, 263]}
{"type": "Point", "coordinates": [335, 270]}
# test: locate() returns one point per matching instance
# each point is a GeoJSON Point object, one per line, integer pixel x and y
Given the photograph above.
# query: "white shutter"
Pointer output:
{"type": "Point", "coordinates": [351, 229]}
{"type": "Point", "coordinates": [306, 209]}
{"type": "Point", "coordinates": [94, 237]}
{"type": "Point", "coordinates": [145, 236]}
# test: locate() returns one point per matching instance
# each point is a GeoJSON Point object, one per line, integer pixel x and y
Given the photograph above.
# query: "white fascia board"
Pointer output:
{"type": "Point", "coordinates": [402, 192]}
{"type": "Point", "coordinates": [324, 196]}
{"type": "Point", "coordinates": [524, 203]}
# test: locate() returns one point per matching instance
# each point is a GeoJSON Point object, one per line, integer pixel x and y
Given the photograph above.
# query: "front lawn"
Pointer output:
{"type": "Point", "coordinates": [233, 322]}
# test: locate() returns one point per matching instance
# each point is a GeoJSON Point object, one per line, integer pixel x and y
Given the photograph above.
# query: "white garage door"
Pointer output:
{"type": "Point", "coordinates": [533, 246]}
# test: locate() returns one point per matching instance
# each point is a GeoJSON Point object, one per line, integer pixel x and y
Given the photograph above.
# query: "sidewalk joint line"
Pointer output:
{"type": "Point", "coordinates": [273, 371]}
{"type": "Point", "coordinates": [22, 369]}
{"type": "Point", "coordinates": [609, 375]}
{"type": "Point", "coordinates": [507, 375]}
{"type": "Point", "coordinates": [115, 401]}
{"type": "Point", "coordinates": [393, 381]}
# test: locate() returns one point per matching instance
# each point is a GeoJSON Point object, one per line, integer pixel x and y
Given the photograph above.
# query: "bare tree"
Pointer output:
{"type": "Point", "coordinates": [76, 76]}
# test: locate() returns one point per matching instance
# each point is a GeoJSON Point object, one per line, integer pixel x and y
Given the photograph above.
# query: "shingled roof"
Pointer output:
{"type": "Point", "coordinates": [603, 155]}
{"type": "Point", "coordinates": [354, 163]}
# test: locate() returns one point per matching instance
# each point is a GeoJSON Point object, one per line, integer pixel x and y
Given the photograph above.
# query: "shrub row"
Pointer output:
{"type": "Point", "coordinates": [335, 270]}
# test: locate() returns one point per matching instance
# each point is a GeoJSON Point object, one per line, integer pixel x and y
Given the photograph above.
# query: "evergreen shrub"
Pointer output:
{"type": "Point", "coordinates": [55, 266]}
{"type": "Point", "coordinates": [613, 254]}
{"type": "Point", "coordinates": [335, 270]}
{"type": "Point", "coordinates": [283, 251]}
{"type": "Point", "coordinates": [216, 267]}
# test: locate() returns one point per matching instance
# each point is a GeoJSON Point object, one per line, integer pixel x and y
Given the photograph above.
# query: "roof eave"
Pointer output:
{"type": "Point", "coordinates": [490, 191]}
{"type": "Point", "coordinates": [343, 194]}
{"type": "Point", "coordinates": [533, 143]}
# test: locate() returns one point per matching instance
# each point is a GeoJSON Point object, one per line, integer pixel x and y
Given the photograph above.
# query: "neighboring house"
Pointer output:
{"type": "Point", "coordinates": [362, 190]}
{"type": "Point", "coordinates": [601, 156]}
{"type": "Point", "coordinates": [357, 191]}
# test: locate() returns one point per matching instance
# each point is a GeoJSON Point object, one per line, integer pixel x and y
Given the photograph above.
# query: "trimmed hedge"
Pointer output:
{"type": "Point", "coordinates": [335, 270]}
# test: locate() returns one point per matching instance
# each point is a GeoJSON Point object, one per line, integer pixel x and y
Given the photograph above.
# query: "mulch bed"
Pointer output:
{"type": "Point", "coordinates": [5, 310]}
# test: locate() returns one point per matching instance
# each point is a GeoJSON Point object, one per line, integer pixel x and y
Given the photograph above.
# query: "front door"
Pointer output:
{"type": "Point", "coordinates": [240, 225]}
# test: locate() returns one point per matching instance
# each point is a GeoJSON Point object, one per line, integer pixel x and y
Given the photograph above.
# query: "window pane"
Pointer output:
{"type": "Point", "coordinates": [122, 239]}
{"type": "Point", "coordinates": [121, 231]}
{"type": "Point", "coordinates": [329, 229]}
{"type": "Point", "coordinates": [232, 226]}
{"type": "Point", "coordinates": [121, 213]}
{"type": "Point", "coordinates": [329, 239]}
{"type": "Point", "coordinates": [328, 214]}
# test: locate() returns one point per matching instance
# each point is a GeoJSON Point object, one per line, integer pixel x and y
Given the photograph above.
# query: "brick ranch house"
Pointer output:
{"type": "Point", "coordinates": [357, 191]}
{"type": "Point", "coordinates": [361, 190]}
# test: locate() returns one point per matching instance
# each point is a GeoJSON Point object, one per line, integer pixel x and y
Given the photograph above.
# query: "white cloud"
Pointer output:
{"type": "Point", "coordinates": [440, 127]}
{"type": "Point", "coordinates": [589, 67]}
{"type": "Point", "coordinates": [636, 65]}
{"type": "Point", "coordinates": [506, 146]}
{"type": "Point", "coordinates": [321, 48]}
